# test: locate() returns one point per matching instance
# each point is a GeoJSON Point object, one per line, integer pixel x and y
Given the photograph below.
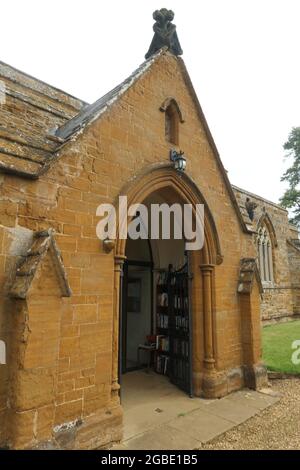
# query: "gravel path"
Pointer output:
{"type": "Point", "coordinates": [277, 427]}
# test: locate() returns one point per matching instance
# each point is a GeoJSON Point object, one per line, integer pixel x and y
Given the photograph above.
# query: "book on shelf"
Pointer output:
{"type": "Point", "coordinates": [163, 300]}
{"type": "Point", "coordinates": [162, 321]}
{"type": "Point", "coordinates": [181, 322]}
{"type": "Point", "coordinates": [162, 363]}
{"type": "Point", "coordinates": [162, 343]}
{"type": "Point", "coordinates": [181, 302]}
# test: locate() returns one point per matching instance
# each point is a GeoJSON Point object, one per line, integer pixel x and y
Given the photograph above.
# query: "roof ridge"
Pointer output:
{"type": "Point", "coordinates": [258, 197]}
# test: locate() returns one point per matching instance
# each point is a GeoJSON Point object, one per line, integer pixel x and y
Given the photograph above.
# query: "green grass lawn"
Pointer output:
{"type": "Point", "coordinates": [277, 346]}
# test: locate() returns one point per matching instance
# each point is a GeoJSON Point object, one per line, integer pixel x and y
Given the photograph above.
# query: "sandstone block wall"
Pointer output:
{"type": "Point", "coordinates": [72, 401]}
{"type": "Point", "coordinates": [279, 298]}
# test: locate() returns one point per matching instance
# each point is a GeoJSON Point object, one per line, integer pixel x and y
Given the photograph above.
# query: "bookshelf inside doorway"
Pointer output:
{"type": "Point", "coordinates": [174, 327]}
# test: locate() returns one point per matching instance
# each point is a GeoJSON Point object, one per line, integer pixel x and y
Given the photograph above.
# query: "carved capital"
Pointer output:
{"type": "Point", "coordinates": [207, 268]}
{"type": "Point", "coordinates": [119, 261]}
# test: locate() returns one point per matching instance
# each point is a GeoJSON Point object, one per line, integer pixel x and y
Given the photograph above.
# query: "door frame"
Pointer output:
{"type": "Point", "coordinates": [123, 312]}
{"type": "Point", "coordinates": [158, 177]}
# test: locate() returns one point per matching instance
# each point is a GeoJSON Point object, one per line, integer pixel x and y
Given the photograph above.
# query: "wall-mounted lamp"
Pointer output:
{"type": "Point", "coordinates": [179, 160]}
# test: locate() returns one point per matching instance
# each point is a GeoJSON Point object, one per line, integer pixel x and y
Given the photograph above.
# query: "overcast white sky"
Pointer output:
{"type": "Point", "coordinates": [242, 56]}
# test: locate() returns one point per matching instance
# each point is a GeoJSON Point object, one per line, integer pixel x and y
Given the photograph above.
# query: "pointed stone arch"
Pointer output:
{"type": "Point", "coordinates": [172, 102]}
{"type": "Point", "coordinates": [266, 242]}
{"type": "Point", "coordinates": [265, 219]}
{"type": "Point", "coordinates": [155, 178]}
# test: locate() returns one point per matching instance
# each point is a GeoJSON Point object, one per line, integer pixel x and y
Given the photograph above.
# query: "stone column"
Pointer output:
{"type": "Point", "coordinates": [207, 271]}
{"type": "Point", "coordinates": [260, 258]}
{"type": "Point", "coordinates": [214, 383]}
{"type": "Point", "coordinates": [266, 261]}
{"type": "Point", "coordinates": [118, 270]}
{"type": "Point", "coordinates": [270, 259]}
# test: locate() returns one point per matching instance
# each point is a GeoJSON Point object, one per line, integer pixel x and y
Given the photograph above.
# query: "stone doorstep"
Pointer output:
{"type": "Point", "coordinates": [203, 424]}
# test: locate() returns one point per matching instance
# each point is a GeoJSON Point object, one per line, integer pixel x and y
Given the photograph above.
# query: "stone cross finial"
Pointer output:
{"type": "Point", "coordinates": [164, 33]}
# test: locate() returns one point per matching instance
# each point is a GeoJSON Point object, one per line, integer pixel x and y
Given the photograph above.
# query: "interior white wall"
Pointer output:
{"type": "Point", "coordinates": [139, 324]}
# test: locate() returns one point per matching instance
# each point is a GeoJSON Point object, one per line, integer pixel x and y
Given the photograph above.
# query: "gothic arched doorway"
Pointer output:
{"type": "Point", "coordinates": [156, 316]}
{"type": "Point", "coordinates": [165, 184]}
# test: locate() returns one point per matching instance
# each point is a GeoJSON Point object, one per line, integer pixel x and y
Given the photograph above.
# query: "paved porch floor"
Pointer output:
{"type": "Point", "coordinates": [158, 416]}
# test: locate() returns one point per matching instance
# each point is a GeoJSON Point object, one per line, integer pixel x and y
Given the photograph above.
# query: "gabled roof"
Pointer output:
{"type": "Point", "coordinates": [42, 243]}
{"type": "Point", "coordinates": [93, 111]}
{"type": "Point", "coordinates": [32, 165]}
{"type": "Point", "coordinates": [61, 100]}
{"type": "Point", "coordinates": [238, 190]}
{"type": "Point", "coordinates": [30, 109]}
{"type": "Point", "coordinates": [30, 152]}
{"type": "Point", "coordinates": [241, 195]}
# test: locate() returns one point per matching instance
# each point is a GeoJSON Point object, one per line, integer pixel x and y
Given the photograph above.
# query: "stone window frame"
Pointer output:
{"type": "Point", "coordinates": [265, 256]}
{"type": "Point", "coordinates": [266, 233]}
